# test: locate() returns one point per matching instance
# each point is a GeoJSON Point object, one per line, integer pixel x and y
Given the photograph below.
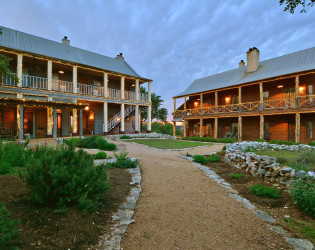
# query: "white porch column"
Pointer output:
{"type": "Point", "coordinates": [122, 87]}
{"type": "Point", "coordinates": [137, 90]}
{"type": "Point", "coordinates": [19, 69]}
{"type": "Point", "coordinates": [49, 74]}
{"type": "Point", "coordinates": [137, 119]}
{"type": "Point", "coordinates": [75, 121]}
{"type": "Point", "coordinates": [105, 85]}
{"type": "Point", "coordinates": [105, 117]}
{"type": "Point", "coordinates": [75, 79]}
{"type": "Point", "coordinates": [149, 92]}
{"type": "Point", "coordinates": [122, 118]}
{"type": "Point", "coordinates": [49, 121]}
{"type": "Point", "coordinates": [149, 119]}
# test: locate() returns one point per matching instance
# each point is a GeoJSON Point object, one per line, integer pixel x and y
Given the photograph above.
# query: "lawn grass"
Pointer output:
{"type": "Point", "coordinates": [169, 144]}
{"type": "Point", "coordinates": [306, 228]}
{"type": "Point", "coordinates": [292, 159]}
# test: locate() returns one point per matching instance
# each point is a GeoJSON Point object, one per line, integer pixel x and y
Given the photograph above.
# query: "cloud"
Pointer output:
{"type": "Point", "coordinates": [171, 42]}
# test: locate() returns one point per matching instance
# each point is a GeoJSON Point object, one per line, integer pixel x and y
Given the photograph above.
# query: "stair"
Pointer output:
{"type": "Point", "coordinates": [115, 120]}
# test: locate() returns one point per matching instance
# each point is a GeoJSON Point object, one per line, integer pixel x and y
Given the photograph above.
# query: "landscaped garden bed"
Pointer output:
{"type": "Point", "coordinates": [276, 202]}
{"type": "Point", "coordinates": [169, 143]}
{"type": "Point", "coordinates": [58, 198]}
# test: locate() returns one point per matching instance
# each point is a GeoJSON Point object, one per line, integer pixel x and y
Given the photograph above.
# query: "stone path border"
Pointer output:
{"type": "Point", "coordinates": [124, 214]}
{"type": "Point", "coordinates": [297, 244]}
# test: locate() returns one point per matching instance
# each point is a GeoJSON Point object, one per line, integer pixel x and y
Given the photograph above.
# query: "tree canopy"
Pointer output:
{"type": "Point", "coordinates": [291, 5]}
{"type": "Point", "coordinates": [156, 112]}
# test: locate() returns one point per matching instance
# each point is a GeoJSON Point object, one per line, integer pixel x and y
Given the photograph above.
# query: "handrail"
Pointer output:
{"type": "Point", "coordinates": [144, 97]}
{"type": "Point", "coordinates": [93, 90]}
{"type": "Point", "coordinates": [116, 118]}
{"type": "Point", "coordinates": [34, 82]}
{"type": "Point", "coordinates": [130, 95]}
{"type": "Point", "coordinates": [62, 86]}
{"type": "Point", "coordinates": [8, 81]}
{"type": "Point", "coordinates": [114, 93]}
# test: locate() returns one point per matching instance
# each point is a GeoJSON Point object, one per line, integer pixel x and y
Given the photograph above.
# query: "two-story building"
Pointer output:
{"type": "Point", "coordinates": [63, 90]}
{"type": "Point", "coordinates": [272, 100]}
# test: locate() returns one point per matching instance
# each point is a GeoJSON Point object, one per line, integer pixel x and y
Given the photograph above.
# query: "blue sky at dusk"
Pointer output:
{"type": "Point", "coordinates": [171, 42]}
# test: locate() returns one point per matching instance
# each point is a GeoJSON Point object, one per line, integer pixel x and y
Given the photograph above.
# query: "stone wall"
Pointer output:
{"type": "Point", "coordinates": [263, 166]}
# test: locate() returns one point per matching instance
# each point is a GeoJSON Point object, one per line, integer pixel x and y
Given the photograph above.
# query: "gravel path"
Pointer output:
{"type": "Point", "coordinates": [181, 208]}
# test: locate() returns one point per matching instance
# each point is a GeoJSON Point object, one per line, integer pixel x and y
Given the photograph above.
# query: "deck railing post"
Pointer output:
{"type": "Point", "coordinates": [297, 88]}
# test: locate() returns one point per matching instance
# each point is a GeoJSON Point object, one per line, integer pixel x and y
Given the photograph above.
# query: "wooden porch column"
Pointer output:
{"type": "Point", "coordinates": [122, 87]}
{"type": "Point", "coordinates": [184, 130]}
{"type": "Point", "coordinates": [174, 128]}
{"type": "Point", "coordinates": [201, 126]}
{"type": "Point", "coordinates": [19, 69]}
{"type": "Point", "coordinates": [75, 79]}
{"type": "Point", "coordinates": [174, 107]}
{"type": "Point", "coordinates": [20, 121]}
{"type": "Point", "coordinates": [201, 103]}
{"type": "Point", "coordinates": [49, 121]}
{"type": "Point", "coordinates": [261, 97]}
{"type": "Point", "coordinates": [149, 91]}
{"type": "Point", "coordinates": [49, 74]}
{"type": "Point", "coordinates": [122, 118]}
{"type": "Point", "coordinates": [54, 122]}
{"type": "Point", "coordinates": [137, 119]}
{"type": "Point", "coordinates": [240, 98]}
{"type": "Point", "coordinates": [81, 122]}
{"type": "Point", "coordinates": [297, 128]}
{"type": "Point", "coordinates": [240, 128]}
{"type": "Point", "coordinates": [75, 121]}
{"type": "Point", "coordinates": [185, 107]}
{"type": "Point", "coordinates": [149, 119]}
{"type": "Point", "coordinates": [297, 90]}
{"type": "Point", "coordinates": [216, 101]}
{"type": "Point", "coordinates": [137, 90]}
{"type": "Point", "coordinates": [261, 127]}
{"type": "Point", "coordinates": [105, 117]}
{"type": "Point", "coordinates": [216, 127]}
{"type": "Point", "coordinates": [105, 84]}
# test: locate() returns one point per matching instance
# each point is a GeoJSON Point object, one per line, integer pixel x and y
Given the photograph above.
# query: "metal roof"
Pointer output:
{"type": "Point", "coordinates": [14, 39]}
{"type": "Point", "coordinates": [291, 63]}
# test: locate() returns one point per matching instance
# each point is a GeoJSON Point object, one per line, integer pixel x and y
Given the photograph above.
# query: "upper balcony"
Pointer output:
{"type": "Point", "coordinates": [41, 83]}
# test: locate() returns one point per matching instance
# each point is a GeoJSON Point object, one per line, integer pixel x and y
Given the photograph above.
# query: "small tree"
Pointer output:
{"type": "Point", "coordinates": [291, 5]}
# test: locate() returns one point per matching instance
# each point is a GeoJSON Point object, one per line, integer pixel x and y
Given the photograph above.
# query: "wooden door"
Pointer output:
{"type": "Point", "coordinates": [59, 124]}
{"type": "Point", "coordinates": [291, 131]}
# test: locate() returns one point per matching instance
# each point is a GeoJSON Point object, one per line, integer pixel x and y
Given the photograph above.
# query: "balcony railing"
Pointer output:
{"type": "Point", "coordinates": [41, 83]}
{"type": "Point", "coordinates": [300, 102]}
{"type": "Point", "coordinates": [62, 86]}
{"type": "Point", "coordinates": [90, 90]}
{"type": "Point", "coordinates": [8, 81]}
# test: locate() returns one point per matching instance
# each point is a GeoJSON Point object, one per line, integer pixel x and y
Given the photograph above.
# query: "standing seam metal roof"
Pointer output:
{"type": "Point", "coordinates": [14, 39]}
{"type": "Point", "coordinates": [291, 63]}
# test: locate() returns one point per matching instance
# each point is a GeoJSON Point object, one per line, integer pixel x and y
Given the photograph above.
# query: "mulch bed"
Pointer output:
{"type": "Point", "coordinates": [278, 208]}
{"type": "Point", "coordinates": [42, 228]}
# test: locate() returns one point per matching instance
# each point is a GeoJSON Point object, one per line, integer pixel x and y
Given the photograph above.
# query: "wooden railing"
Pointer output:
{"type": "Point", "coordinates": [62, 86]}
{"type": "Point", "coordinates": [302, 101]}
{"type": "Point", "coordinates": [93, 90]}
{"type": "Point", "coordinates": [34, 82]}
{"type": "Point", "coordinates": [114, 93]}
{"type": "Point", "coordinates": [8, 81]}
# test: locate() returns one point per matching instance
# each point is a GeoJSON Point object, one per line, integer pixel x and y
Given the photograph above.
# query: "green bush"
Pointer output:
{"type": "Point", "coordinates": [224, 148]}
{"type": "Point", "coordinates": [279, 142]}
{"type": "Point", "coordinates": [102, 144]}
{"type": "Point", "coordinates": [63, 177]}
{"type": "Point", "coordinates": [213, 158]}
{"type": "Point", "coordinates": [303, 194]}
{"type": "Point", "coordinates": [8, 229]}
{"type": "Point", "coordinates": [12, 155]}
{"type": "Point", "coordinates": [122, 161]}
{"type": "Point", "coordinates": [72, 141]}
{"type": "Point", "coordinates": [264, 191]}
{"type": "Point", "coordinates": [200, 159]}
{"type": "Point", "coordinates": [95, 141]}
{"type": "Point", "coordinates": [125, 137]}
{"type": "Point", "coordinates": [100, 155]}
{"type": "Point", "coordinates": [261, 140]}
{"type": "Point", "coordinates": [307, 158]}
{"type": "Point", "coordinates": [237, 176]}
{"type": "Point", "coordinates": [312, 143]}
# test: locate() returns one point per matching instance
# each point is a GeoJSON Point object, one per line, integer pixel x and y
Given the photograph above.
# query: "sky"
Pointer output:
{"type": "Point", "coordinates": [172, 42]}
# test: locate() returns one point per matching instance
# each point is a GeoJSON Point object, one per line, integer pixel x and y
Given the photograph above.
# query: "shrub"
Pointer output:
{"type": "Point", "coordinates": [303, 194]}
{"type": "Point", "coordinates": [122, 161]}
{"type": "Point", "coordinates": [312, 143]}
{"type": "Point", "coordinates": [224, 148]}
{"type": "Point", "coordinates": [213, 158]}
{"type": "Point", "coordinates": [264, 191]}
{"type": "Point", "coordinates": [125, 137]}
{"type": "Point", "coordinates": [72, 141]}
{"type": "Point", "coordinates": [282, 160]}
{"type": "Point", "coordinates": [63, 177]}
{"type": "Point", "coordinates": [95, 141]}
{"type": "Point", "coordinates": [307, 158]}
{"type": "Point", "coordinates": [102, 144]}
{"type": "Point", "coordinates": [100, 155]}
{"type": "Point", "coordinates": [8, 231]}
{"type": "Point", "coordinates": [237, 176]}
{"type": "Point", "coordinates": [200, 159]}
{"type": "Point", "coordinates": [261, 140]}
{"type": "Point", "coordinates": [279, 142]}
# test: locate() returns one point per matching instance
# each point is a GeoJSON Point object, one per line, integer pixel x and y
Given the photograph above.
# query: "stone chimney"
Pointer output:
{"type": "Point", "coordinates": [252, 60]}
{"type": "Point", "coordinates": [65, 40]}
{"type": "Point", "coordinates": [120, 57]}
{"type": "Point", "coordinates": [241, 64]}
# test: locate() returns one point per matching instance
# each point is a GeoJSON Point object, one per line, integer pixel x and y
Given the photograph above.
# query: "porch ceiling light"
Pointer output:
{"type": "Point", "coordinates": [227, 99]}
{"type": "Point", "coordinates": [280, 86]}
{"type": "Point", "coordinates": [196, 104]}
{"type": "Point", "coordinates": [87, 108]}
{"type": "Point", "coordinates": [61, 72]}
{"type": "Point", "coordinates": [133, 85]}
{"type": "Point", "coordinates": [301, 89]}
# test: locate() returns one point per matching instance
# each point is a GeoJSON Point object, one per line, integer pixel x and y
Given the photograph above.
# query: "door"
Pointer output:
{"type": "Point", "coordinates": [291, 131]}
{"type": "Point", "coordinates": [59, 124]}
{"type": "Point", "coordinates": [289, 97]}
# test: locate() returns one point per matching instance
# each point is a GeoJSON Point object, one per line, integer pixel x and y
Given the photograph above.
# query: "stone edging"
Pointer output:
{"type": "Point", "coordinates": [296, 243]}
{"type": "Point", "coordinates": [124, 215]}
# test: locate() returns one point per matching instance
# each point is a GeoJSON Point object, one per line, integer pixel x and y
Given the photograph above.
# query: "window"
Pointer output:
{"type": "Point", "coordinates": [266, 131]}
{"type": "Point", "coordinates": [266, 95]}
{"type": "Point", "coordinates": [309, 130]}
